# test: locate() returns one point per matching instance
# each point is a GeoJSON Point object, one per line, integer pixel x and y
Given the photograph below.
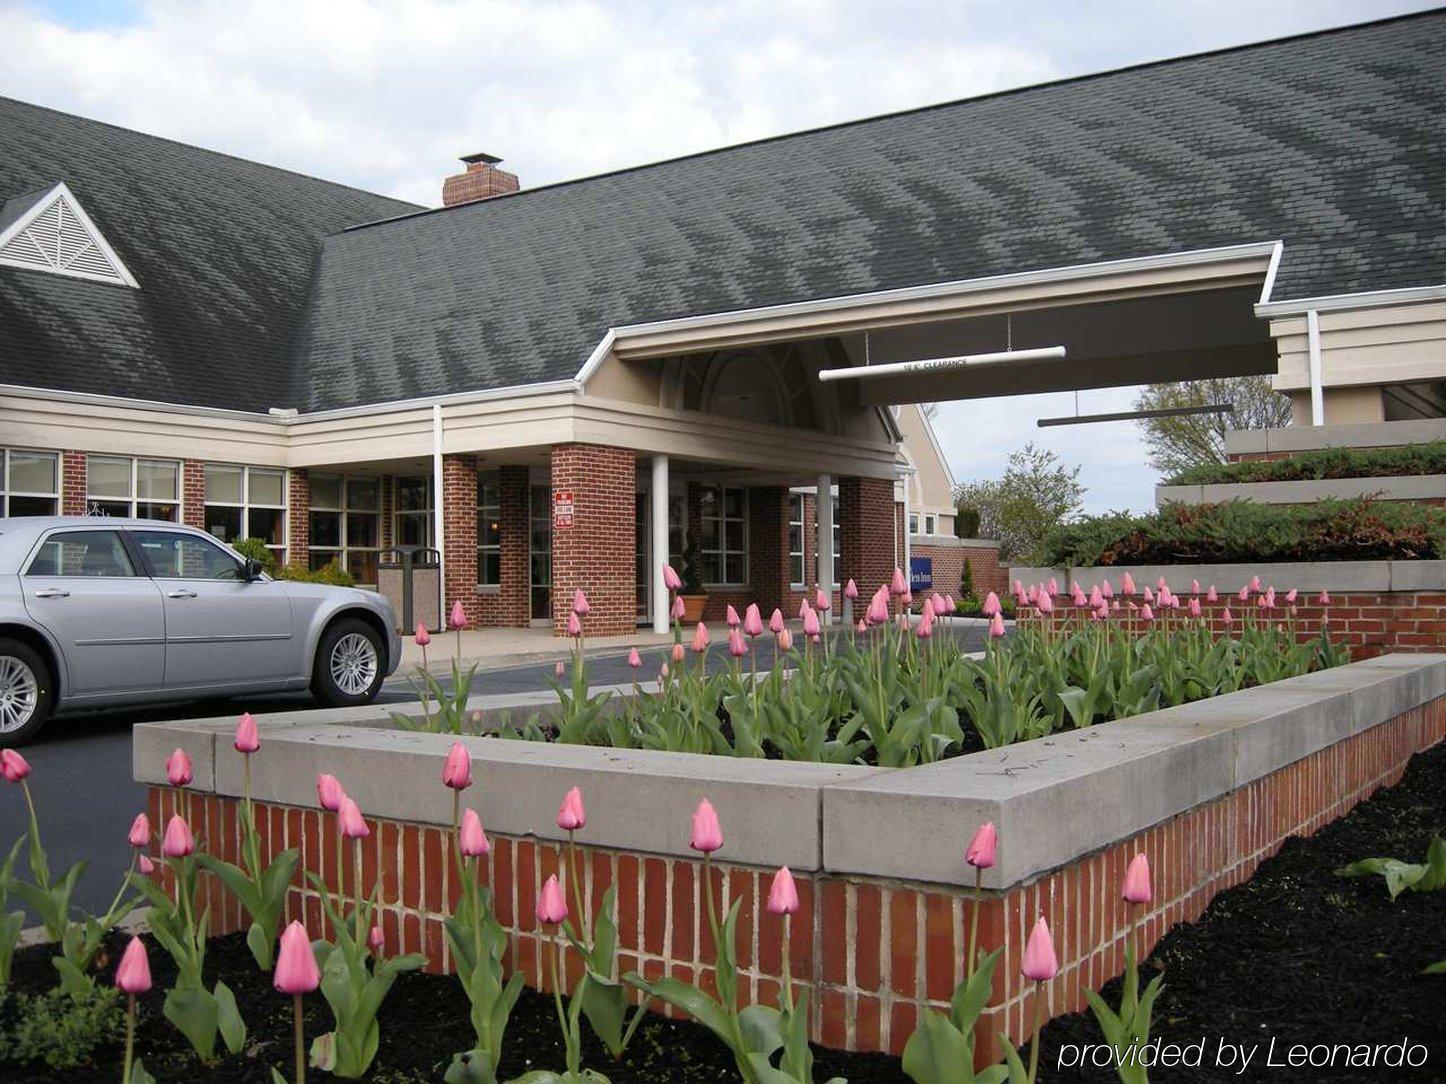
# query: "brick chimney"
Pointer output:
{"type": "Point", "coordinates": [483, 180]}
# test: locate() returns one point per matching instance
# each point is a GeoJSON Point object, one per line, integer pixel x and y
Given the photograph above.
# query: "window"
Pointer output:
{"type": "Point", "coordinates": [795, 538]}
{"type": "Point", "coordinates": [489, 529]}
{"type": "Point", "coordinates": [725, 535]}
{"type": "Point", "coordinates": [180, 555]}
{"type": "Point", "coordinates": [144, 488]}
{"type": "Point", "coordinates": [913, 523]}
{"type": "Point", "coordinates": [247, 502]}
{"type": "Point", "coordinates": [414, 511]}
{"type": "Point", "coordinates": [82, 553]}
{"type": "Point", "coordinates": [931, 524]}
{"type": "Point", "coordinates": [29, 483]}
{"type": "Point", "coordinates": [837, 543]}
{"type": "Point", "coordinates": [346, 524]}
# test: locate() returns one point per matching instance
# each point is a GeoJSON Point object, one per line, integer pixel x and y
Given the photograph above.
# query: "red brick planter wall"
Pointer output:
{"type": "Point", "coordinates": [874, 952]}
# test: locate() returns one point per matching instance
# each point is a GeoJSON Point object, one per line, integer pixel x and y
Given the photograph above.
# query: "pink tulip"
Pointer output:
{"type": "Point", "coordinates": [1137, 880]}
{"type": "Point", "coordinates": [1017, 587]}
{"type": "Point", "coordinates": [1244, 593]}
{"type": "Point", "coordinates": [802, 608]}
{"type": "Point", "coordinates": [1291, 595]}
{"type": "Point", "coordinates": [574, 626]}
{"type": "Point", "coordinates": [13, 766]}
{"type": "Point", "coordinates": [897, 584]}
{"type": "Point", "coordinates": [471, 840]}
{"type": "Point", "coordinates": [1194, 587]}
{"type": "Point", "coordinates": [996, 626]}
{"type": "Point", "coordinates": [663, 672]}
{"type": "Point", "coordinates": [178, 768]}
{"type": "Point", "coordinates": [983, 847]}
{"type": "Point", "coordinates": [700, 638]}
{"type": "Point", "coordinates": [925, 628]}
{"type": "Point", "coordinates": [991, 605]}
{"type": "Point", "coordinates": [1226, 617]}
{"type": "Point", "coordinates": [736, 647]}
{"type": "Point", "coordinates": [1212, 595]}
{"type": "Point", "coordinates": [783, 894]}
{"type": "Point", "coordinates": [1255, 583]}
{"type": "Point", "coordinates": [1194, 607]}
{"type": "Point", "coordinates": [1045, 603]}
{"type": "Point", "coordinates": [851, 590]}
{"type": "Point", "coordinates": [376, 939]}
{"type": "Point", "coordinates": [572, 815]}
{"type": "Point", "coordinates": [671, 580]}
{"type": "Point", "coordinates": [1096, 598]}
{"type": "Point", "coordinates": [329, 792]}
{"type": "Point", "coordinates": [1127, 585]}
{"type": "Point", "coordinates": [145, 865]}
{"type": "Point", "coordinates": [178, 841]}
{"type": "Point", "coordinates": [140, 833]}
{"type": "Point", "coordinates": [133, 973]}
{"type": "Point", "coordinates": [551, 905]}
{"type": "Point", "coordinates": [1147, 595]}
{"type": "Point", "coordinates": [678, 608]}
{"type": "Point", "coordinates": [752, 620]}
{"type": "Point", "coordinates": [821, 601]}
{"type": "Point", "coordinates": [1324, 599]}
{"type": "Point", "coordinates": [457, 769]}
{"type": "Point", "coordinates": [247, 740]}
{"type": "Point", "coordinates": [1054, 586]}
{"type": "Point", "coordinates": [907, 598]}
{"type": "Point", "coordinates": [422, 637]}
{"type": "Point", "coordinates": [775, 622]}
{"type": "Point", "coordinates": [634, 659]}
{"type": "Point", "coordinates": [1162, 584]}
{"type": "Point", "coordinates": [1040, 963]}
{"type": "Point", "coordinates": [1270, 598]}
{"type": "Point", "coordinates": [785, 641]}
{"type": "Point", "coordinates": [1261, 602]}
{"type": "Point", "coordinates": [559, 670]}
{"type": "Point", "coordinates": [730, 617]}
{"type": "Point", "coordinates": [1033, 594]}
{"type": "Point", "coordinates": [1107, 591]}
{"type": "Point", "coordinates": [940, 609]}
{"type": "Point", "coordinates": [707, 832]}
{"type": "Point", "coordinates": [459, 615]}
{"type": "Point", "coordinates": [579, 603]}
{"type": "Point", "coordinates": [349, 817]}
{"type": "Point", "coordinates": [928, 607]}
{"type": "Point", "coordinates": [1146, 614]}
{"type": "Point", "coordinates": [810, 623]}
{"type": "Point", "coordinates": [296, 971]}
{"type": "Point", "coordinates": [677, 654]}
{"type": "Point", "coordinates": [878, 611]}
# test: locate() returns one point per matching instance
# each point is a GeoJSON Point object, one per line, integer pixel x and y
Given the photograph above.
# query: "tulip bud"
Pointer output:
{"type": "Point", "coordinates": [376, 939]}
{"type": "Point", "coordinates": [1040, 963]}
{"type": "Point", "coordinates": [783, 894]}
{"type": "Point", "coordinates": [140, 834]}
{"type": "Point", "coordinates": [145, 865]}
{"type": "Point", "coordinates": [457, 769]}
{"type": "Point", "coordinates": [572, 815]}
{"type": "Point", "coordinates": [422, 637]}
{"type": "Point", "coordinates": [775, 622]}
{"type": "Point", "coordinates": [1324, 599]}
{"type": "Point", "coordinates": [678, 608]}
{"type": "Point", "coordinates": [707, 832]}
{"type": "Point", "coordinates": [247, 741]}
{"type": "Point", "coordinates": [730, 617]}
{"type": "Point", "coordinates": [551, 904]}
{"type": "Point", "coordinates": [328, 792]}
{"type": "Point", "coordinates": [996, 626]}
{"type": "Point", "coordinates": [983, 847]}
{"type": "Point", "coordinates": [677, 654]}
{"type": "Point", "coordinates": [634, 659]}
{"type": "Point", "coordinates": [810, 623]}
{"type": "Point", "coordinates": [178, 841]}
{"type": "Point", "coordinates": [559, 670]}
{"type": "Point", "coordinates": [897, 584]}
{"type": "Point", "coordinates": [851, 590]}
{"type": "Point", "coordinates": [13, 766]}
{"type": "Point", "coordinates": [671, 580]}
{"type": "Point", "coordinates": [1147, 614]}
{"type": "Point", "coordinates": [1127, 584]}
{"type": "Point", "coordinates": [863, 627]}
{"type": "Point", "coordinates": [736, 647]}
{"type": "Point", "coordinates": [178, 768]}
{"type": "Point", "coordinates": [133, 973]}
{"type": "Point", "coordinates": [753, 620]}
{"type": "Point", "coordinates": [1136, 888]}
{"type": "Point", "coordinates": [1226, 617]}
{"type": "Point", "coordinates": [821, 601]}
{"type": "Point", "coordinates": [700, 639]}
{"type": "Point", "coordinates": [579, 603]}
{"type": "Point", "coordinates": [785, 641]}
{"type": "Point", "coordinates": [1212, 595]}
{"type": "Point", "coordinates": [574, 626]}
{"type": "Point", "coordinates": [459, 615]}
{"type": "Point", "coordinates": [924, 630]}
{"type": "Point", "coordinates": [471, 840]}
{"type": "Point", "coordinates": [991, 605]}
{"type": "Point", "coordinates": [296, 971]}
{"type": "Point", "coordinates": [350, 820]}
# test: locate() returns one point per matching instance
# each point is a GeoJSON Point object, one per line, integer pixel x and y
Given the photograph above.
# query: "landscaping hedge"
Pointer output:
{"type": "Point", "coordinates": [1235, 532]}
{"type": "Point", "coordinates": [1323, 463]}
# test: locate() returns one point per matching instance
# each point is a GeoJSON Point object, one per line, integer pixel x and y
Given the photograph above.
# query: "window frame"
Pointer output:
{"type": "Point", "coordinates": [202, 537]}
{"type": "Point", "coordinates": [800, 555]}
{"type": "Point", "coordinates": [278, 551]}
{"type": "Point", "coordinates": [427, 515]}
{"type": "Point", "coordinates": [136, 559]}
{"type": "Point", "coordinates": [344, 548]}
{"type": "Point", "coordinates": [485, 479]}
{"type": "Point", "coordinates": [6, 492]}
{"type": "Point", "coordinates": [93, 500]}
{"type": "Point", "coordinates": [723, 552]}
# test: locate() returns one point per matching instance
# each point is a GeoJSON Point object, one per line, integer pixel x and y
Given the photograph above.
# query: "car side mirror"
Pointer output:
{"type": "Point", "coordinates": [252, 570]}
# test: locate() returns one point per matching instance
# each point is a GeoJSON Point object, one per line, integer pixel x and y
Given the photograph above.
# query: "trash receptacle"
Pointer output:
{"type": "Point", "coordinates": [411, 577]}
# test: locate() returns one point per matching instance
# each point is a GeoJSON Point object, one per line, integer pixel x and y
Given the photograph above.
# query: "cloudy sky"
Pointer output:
{"type": "Point", "coordinates": [386, 96]}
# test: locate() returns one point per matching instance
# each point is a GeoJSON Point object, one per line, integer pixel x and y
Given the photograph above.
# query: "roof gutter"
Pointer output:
{"type": "Point", "coordinates": [1345, 302]}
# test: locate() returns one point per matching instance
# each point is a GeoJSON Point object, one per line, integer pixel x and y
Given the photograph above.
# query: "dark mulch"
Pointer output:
{"type": "Point", "coordinates": [1300, 956]}
{"type": "Point", "coordinates": [1297, 955]}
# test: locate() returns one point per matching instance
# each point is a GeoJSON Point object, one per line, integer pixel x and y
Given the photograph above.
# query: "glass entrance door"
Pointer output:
{"type": "Point", "coordinates": [539, 519]}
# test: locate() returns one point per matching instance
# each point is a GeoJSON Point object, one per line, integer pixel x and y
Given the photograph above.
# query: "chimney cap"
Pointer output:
{"type": "Point", "coordinates": [480, 157]}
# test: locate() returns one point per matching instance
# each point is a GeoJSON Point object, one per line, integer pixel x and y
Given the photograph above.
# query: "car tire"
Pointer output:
{"type": "Point", "coordinates": [350, 664]}
{"type": "Point", "coordinates": [27, 692]}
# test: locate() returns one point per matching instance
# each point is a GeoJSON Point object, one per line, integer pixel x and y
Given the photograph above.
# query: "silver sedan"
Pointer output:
{"type": "Point", "coordinates": [96, 612]}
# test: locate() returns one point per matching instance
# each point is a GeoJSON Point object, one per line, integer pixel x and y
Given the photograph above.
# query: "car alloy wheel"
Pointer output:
{"type": "Point", "coordinates": [19, 693]}
{"type": "Point", "coordinates": [353, 664]}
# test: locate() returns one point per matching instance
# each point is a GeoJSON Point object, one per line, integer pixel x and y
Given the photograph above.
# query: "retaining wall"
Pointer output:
{"type": "Point", "coordinates": [1207, 790]}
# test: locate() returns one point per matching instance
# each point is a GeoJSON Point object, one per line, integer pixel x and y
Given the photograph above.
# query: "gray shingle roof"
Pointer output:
{"type": "Point", "coordinates": [223, 250]}
{"type": "Point", "coordinates": [1332, 142]}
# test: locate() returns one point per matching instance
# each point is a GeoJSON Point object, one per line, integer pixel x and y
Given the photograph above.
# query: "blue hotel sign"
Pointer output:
{"type": "Point", "coordinates": [921, 574]}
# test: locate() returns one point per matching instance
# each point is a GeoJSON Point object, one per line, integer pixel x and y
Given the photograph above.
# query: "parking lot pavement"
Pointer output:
{"type": "Point", "coordinates": [85, 796]}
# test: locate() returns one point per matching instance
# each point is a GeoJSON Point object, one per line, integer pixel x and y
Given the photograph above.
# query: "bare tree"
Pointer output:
{"type": "Point", "coordinates": [1194, 440]}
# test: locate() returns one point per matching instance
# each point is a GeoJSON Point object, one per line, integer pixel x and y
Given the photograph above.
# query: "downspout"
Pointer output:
{"type": "Point", "coordinates": [437, 517]}
{"type": "Point", "coordinates": [1317, 392]}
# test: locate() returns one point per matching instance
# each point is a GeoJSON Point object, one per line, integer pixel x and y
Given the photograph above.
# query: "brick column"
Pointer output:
{"type": "Point", "coordinates": [459, 527]}
{"type": "Point", "coordinates": [598, 551]}
{"type": "Point", "coordinates": [193, 493]}
{"type": "Point", "coordinates": [515, 596]}
{"type": "Point", "coordinates": [768, 547]}
{"type": "Point", "coordinates": [298, 517]}
{"type": "Point", "coordinates": [866, 532]}
{"type": "Point", "coordinates": [72, 483]}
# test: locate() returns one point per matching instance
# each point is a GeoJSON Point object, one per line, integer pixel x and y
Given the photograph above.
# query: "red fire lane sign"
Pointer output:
{"type": "Point", "coordinates": [562, 508]}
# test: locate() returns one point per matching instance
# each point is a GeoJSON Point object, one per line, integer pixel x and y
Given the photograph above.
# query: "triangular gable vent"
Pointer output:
{"type": "Point", "coordinates": [56, 235]}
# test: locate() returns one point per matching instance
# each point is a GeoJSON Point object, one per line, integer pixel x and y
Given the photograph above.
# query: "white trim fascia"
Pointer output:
{"type": "Point", "coordinates": [938, 449]}
{"type": "Point", "coordinates": [62, 191]}
{"type": "Point", "coordinates": [594, 360]}
{"type": "Point", "coordinates": [1344, 302]}
{"type": "Point", "coordinates": [459, 398]}
{"type": "Point", "coordinates": [84, 398]}
{"type": "Point", "coordinates": [1270, 271]}
{"type": "Point", "coordinates": [891, 424]}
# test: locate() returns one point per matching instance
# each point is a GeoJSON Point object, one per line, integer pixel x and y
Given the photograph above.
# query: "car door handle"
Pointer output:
{"type": "Point", "coordinates": [180, 593]}
{"type": "Point", "coordinates": [52, 592]}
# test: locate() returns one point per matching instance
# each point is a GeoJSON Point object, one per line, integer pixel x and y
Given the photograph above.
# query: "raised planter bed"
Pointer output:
{"type": "Point", "coordinates": [1207, 790]}
{"type": "Point", "coordinates": [1419, 487]}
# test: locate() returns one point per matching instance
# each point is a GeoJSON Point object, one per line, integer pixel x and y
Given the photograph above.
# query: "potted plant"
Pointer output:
{"type": "Point", "coordinates": [693, 594]}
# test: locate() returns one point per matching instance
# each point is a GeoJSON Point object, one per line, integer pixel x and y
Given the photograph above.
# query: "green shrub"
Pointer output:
{"type": "Point", "coordinates": [1241, 532]}
{"type": "Point", "coordinates": [1324, 463]}
{"type": "Point", "coordinates": [331, 573]}
{"type": "Point", "coordinates": [966, 582]}
{"type": "Point", "coordinates": [256, 550]}
{"type": "Point", "coordinates": [966, 522]}
{"type": "Point", "coordinates": [60, 1029]}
